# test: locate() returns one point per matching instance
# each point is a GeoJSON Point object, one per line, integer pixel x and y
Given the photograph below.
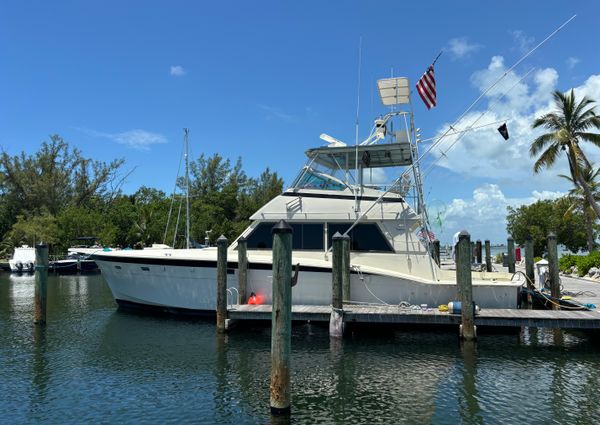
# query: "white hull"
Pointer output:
{"type": "Point", "coordinates": [194, 287]}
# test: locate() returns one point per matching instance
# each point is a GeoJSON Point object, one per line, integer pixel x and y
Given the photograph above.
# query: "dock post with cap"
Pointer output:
{"type": "Point", "coordinates": [465, 286]}
{"type": "Point", "coordinates": [281, 320]}
{"type": "Point", "coordinates": [221, 283]}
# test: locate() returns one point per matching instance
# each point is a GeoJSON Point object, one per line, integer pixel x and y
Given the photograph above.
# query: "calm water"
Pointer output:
{"type": "Point", "coordinates": [94, 364]}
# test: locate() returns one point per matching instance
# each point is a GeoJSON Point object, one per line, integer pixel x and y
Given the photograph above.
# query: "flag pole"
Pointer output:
{"type": "Point", "coordinates": [437, 57]}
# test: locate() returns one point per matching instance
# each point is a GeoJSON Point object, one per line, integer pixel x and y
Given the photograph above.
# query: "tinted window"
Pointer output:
{"type": "Point", "coordinates": [305, 236]}
{"type": "Point", "coordinates": [363, 237]}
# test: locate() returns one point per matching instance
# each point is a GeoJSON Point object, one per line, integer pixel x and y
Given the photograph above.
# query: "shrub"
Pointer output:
{"type": "Point", "coordinates": [536, 259]}
{"type": "Point", "coordinates": [498, 259]}
{"type": "Point", "coordinates": [566, 262]}
{"type": "Point", "coordinates": [586, 262]}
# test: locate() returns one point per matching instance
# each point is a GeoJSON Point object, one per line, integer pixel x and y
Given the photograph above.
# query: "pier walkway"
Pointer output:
{"type": "Point", "coordinates": [389, 314]}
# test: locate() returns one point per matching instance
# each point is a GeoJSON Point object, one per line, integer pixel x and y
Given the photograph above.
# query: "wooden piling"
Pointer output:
{"type": "Point", "coordinates": [488, 256]}
{"type": "Point", "coordinates": [281, 320]}
{"type": "Point", "coordinates": [478, 251]}
{"type": "Point", "coordinates": [436, 251]}
{"type": "Point", "coordinates": [336, 319]}
{"type": "Point", "coordinates": [346, 294]}
{"type": "Point", "coordinates": [242, 269]}
{"type": "Point", "coordinates": [553, 269]}
{"type": "Point", "coordinates": [336, 271]}
{"type": "Point", "coordinates": [510, 247]}
{"type": "Point", "coordinates": [472, 256]}
{"type": "Point", "coordinates": [529, 270]}
{"type": "Point", "coordinates": [221, 283]}
{"type": "Point", "coordinates": [465, 286]}
{"type": "Point", "coordinates": [41, 284]}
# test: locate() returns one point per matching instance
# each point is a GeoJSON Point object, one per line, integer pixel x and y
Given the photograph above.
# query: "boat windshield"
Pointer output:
{"type": "Point", "coordinates": [312, 179]}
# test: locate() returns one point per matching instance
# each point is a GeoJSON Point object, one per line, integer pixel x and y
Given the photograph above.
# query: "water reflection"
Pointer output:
{"type": "Point", "coordinates": [94, 363]}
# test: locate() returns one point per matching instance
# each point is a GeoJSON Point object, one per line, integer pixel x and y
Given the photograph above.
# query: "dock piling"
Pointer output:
{"type": "Point", "coordinates": [242, 269]}
{"type": "Point", "coordinates": [41, 283]}
{"type": "Point", "coordinates": [529, 271]}
{"type": "Point", "coordinates": [465, 286]}
{"type": "Point", "coordinates": [472, 256]}
{"type": "Point", "coordinates": [478, 251]}
{"type": "Point", "coordinates": [346, 293]}
{"type": "Point", "coordinates": [488, 256]}
{"type": "Point", "coordinates": [221, 283]}
{"type": "Point", "coordinates": [510, 247]}
{"type": "Point", "coordinates": [336, 322]}
{"type": "Point", "coordinates": [553, 269]}
{"type": "Point", "coordinates": [436, 251]}
{"type": "Point", "coordinates": [281, 320]}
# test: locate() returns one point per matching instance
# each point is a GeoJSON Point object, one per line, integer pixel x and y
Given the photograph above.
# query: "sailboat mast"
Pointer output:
{"type": "Point", "coordinates": [187, 192]}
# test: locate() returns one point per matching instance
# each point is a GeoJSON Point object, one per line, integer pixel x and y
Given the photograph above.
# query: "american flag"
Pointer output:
{"type": "Point", "coordinates": [426, 88]}
{"type": "Point", "coordinates": [423, 234]}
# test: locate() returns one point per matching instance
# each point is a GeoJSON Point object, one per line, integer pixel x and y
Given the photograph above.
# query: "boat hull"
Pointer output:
{"type": "Point", "coordinates": [192, 287]}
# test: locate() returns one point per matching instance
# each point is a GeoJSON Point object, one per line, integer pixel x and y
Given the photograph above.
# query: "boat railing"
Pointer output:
{"type": "Point", "coordinates": [230, 291]}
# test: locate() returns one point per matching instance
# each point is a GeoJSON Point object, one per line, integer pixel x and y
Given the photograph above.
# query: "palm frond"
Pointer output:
{"type": "Point", "coordinates": [540, 143]}
{"type": "Point", "coordinates": [547, 159]}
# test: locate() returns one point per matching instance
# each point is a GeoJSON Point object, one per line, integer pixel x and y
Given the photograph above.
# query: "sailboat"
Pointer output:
{"type": "Point", "coordinates": [334, 192]}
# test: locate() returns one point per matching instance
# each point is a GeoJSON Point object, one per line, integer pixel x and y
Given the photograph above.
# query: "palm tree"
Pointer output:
{"type": "Point", "coordinates": [568, 125]}
{"type": "Point", "coordinates": [580, 202]}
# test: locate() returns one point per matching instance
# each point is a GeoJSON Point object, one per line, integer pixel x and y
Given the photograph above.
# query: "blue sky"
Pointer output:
{"type": "Point", "coordinates": [262, 80]}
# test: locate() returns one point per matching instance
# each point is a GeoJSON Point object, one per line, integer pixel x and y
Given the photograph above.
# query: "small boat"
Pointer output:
{"type": "Point", "coordinates": [74, 263]}
{"type": "Point", "coordinates": [23, 259]}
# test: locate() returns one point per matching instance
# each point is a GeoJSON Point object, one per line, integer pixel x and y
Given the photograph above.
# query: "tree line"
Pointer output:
{"type": "Point", "coordinates": [56, 195]}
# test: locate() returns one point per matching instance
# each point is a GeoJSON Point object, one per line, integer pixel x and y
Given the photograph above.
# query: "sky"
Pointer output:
{"type": "Point", "coordinates": [262, 80]}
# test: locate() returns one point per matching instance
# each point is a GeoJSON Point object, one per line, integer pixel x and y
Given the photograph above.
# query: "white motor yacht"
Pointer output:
{"type": "Point", "coordinates": [334, 192]}
{"type": "Point", "coordinates": [23, 259]}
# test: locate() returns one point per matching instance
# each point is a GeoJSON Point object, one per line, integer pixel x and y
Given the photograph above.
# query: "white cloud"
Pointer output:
{"type": "Point", "coordinates": [484, 215]}
{"type": "Point", "coordinates": [178, 71]}
{"type": "Point", "coordinates": [136, 139]}
{"type": "Point", "coordinates": [484, 153]}
{"type": "Point", "coordinates": [272, 112]}
{"type": "Point", "coordinates": [572, 62]}
{"type": "Point", "coordinates": [523, 42]}
{"type": "Point", "coordinates": [460, 47]}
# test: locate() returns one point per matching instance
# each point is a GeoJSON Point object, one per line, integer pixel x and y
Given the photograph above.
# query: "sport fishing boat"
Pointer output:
{"type": "Point", "coordinates": [340, 189]}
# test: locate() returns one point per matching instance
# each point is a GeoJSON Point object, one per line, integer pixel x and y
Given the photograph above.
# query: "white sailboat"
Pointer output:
{"type": "Point", "coordinates": [334, 192]}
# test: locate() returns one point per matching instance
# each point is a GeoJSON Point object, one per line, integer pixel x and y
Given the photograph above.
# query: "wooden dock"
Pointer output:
{"type": "Point", "coordinates": [389, 314]}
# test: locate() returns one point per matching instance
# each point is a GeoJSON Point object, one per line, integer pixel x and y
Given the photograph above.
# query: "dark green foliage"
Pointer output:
{"type": "Point", "coordinates": [56, 195]}
{"type": "Point", "coordinates": [567, 261]}
{"type": "Point", "coordinates": [543, 217]}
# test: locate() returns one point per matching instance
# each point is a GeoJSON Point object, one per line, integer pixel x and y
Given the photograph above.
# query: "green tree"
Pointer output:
{"type": "Point", "coordinates": [52, 178]}
{"type": "Point", "coordinates": [32, 230]}
{"type": "Point", "coordinates": [543, 217]}
{"type": "Point", "coordinates": [580, 203]}
{"type": "Point", "coordinates": [568, 124]}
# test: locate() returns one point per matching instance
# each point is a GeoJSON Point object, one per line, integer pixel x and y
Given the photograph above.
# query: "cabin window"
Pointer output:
{"type": "Point", "coordinates": [306, 236]}
{"type": "Point", "coordinates": [363, 237]}
{"type": "Point", "coordinates": [312, 179]}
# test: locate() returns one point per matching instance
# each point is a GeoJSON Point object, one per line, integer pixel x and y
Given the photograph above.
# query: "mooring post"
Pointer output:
{"type": "Point", "coordinates": [242, 269]}
{"type": "Point", "coordinates": [41, 283]}
{"type": "Point", "coordinates": [221, 283]}
{"type": "Point", "coordinates": [436, 251]}
{"type": "Point", "coordinates": [529, 271]}
{"type": "Point", "coordinates": [281, 320]}
{"type": "Point", "coordinates": [510, 247]}
{"type": "Point", "coordinates": [478, 251]}
{"type": "Point", "coordinates": [488, 256]}
{"type": "Point", "coordinates": [465, 286]}
{"type": "Point", "coordinates": [346, 268]}
{"type": "Point", "coordinates": [553, 269]}
{"type": "Point", "coordinates": [336, 320]}
{"type": "Point", "coordinates": [472, 256]}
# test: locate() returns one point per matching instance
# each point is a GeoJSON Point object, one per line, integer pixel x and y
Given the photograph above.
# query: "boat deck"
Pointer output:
{"type": "Point", "coordinates": [389, 314]}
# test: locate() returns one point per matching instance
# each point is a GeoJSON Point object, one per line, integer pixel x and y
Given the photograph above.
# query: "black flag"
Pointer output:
{"type": "Point", "coordinates": [504, 131]}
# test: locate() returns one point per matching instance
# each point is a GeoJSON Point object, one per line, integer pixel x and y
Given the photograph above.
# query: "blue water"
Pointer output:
{"type": "Point", "coordinates": [95, 364]}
